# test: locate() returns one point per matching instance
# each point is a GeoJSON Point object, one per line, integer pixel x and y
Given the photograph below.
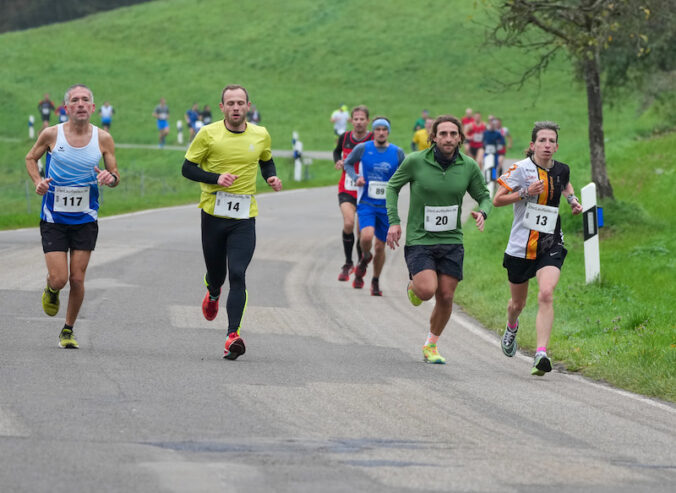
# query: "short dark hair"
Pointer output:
{"type": "Point", "coordinates": [545, 125]}
{"type": "Point", "coordinates": [232, 87]}
{"type": "Point", "coordinates": [362, 108]}
{"type": "Point", "coordinates": [446, 118]}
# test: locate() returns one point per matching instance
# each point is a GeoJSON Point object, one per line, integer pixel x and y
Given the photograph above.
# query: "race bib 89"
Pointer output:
{"type": "Point", "coordinates": [377, 189]}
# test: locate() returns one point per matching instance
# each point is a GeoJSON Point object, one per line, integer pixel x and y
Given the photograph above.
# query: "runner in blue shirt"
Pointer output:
{"type": "Point", "coordinates": [379, 160]}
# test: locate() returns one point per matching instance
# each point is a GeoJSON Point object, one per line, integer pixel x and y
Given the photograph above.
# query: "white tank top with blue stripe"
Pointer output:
{"type": "Point", "coordinates": [72, 172]}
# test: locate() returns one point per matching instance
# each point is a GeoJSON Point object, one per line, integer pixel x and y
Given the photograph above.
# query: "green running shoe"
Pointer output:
{"type": "Point", "coordinates": [541, 365]}
{"type": "Point", "coordinates": [431, 355]}
{"type": "Point", "coordinates": [67, 339]}
{"type": "Point", "coordinates": [50, 301]}
{"type": "Point", "coordinates": [415, 301]}
{"type": "Point", "coordinates": [508, 342]}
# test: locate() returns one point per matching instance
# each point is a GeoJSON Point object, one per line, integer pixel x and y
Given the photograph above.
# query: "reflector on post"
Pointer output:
{"type": "Point", "coordinates": [592, 259]}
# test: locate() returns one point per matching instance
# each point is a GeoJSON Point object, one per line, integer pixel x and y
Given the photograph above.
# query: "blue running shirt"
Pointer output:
{"type": "Point", "coordinates": [377, 167]}
{"type": "Point", "coordinates": [73, 180]}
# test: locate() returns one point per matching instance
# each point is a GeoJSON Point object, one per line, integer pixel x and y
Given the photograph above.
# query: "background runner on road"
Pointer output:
{"type": "Point", "coordinates": [347, 189]}
{"type": "Point", "coordinates": [379, 160]}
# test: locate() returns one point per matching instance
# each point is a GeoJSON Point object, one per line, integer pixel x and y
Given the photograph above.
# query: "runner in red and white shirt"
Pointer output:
{"type": "Point", "coordinates": [347, 189]}
{"type": "Point", "coordinates": [475, 136]}
{"type": "Point", "coordinates": [466, 120]}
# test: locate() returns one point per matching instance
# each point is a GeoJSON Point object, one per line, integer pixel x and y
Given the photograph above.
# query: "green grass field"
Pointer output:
{"type": "Point", "coordinates": [300, 60]}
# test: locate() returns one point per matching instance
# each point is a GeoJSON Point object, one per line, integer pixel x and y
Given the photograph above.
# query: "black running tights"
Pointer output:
{"type": "Point", "coordinates": [228, 245]}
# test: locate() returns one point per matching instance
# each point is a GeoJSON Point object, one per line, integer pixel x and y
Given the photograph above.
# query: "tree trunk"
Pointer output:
{"type": "Point", "coordinates": [595, 110]}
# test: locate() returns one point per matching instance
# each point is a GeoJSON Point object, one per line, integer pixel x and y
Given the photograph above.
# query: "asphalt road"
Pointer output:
{"type": "Point", "coordinates": [332, 394]}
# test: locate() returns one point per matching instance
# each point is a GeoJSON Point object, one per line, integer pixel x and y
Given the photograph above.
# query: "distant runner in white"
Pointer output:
{"type": "Point", "coordinates": [535, 249]}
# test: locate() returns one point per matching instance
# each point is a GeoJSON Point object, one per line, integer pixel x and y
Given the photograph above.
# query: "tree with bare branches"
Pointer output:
{"type": "Point", "coordinates": [587, 30]}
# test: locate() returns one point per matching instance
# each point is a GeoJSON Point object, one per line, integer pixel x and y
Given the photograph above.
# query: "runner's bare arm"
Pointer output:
{"type": "Point", "coordinates": [569, 193]}
{"type": "Point", "coordinates": [110, 175]}
{"type": "Point", "coordinates": [44, 143]}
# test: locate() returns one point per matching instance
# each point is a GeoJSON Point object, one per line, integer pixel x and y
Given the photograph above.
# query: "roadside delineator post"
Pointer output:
{"type": "Point", "coordinates": [490, 168]}
{"type": "Point", "coordinates": [179, 132]}
{"type": "Point", "coordinates": [592, 258]}
{"type": "Point", "coordinates": [31, 127]}
{"type": "Point", "coordinates": [297, 157]}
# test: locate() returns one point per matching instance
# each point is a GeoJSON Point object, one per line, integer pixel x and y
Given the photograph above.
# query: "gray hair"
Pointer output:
{"type": "Point", "coordinates": [67, 95]}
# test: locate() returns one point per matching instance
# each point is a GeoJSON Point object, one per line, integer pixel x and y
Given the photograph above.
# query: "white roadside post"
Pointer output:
{"type": "Point", "coordinates": [490, 163]}
{"type": "Point", "coordinates": [297, 157]}
{"type": "Point", "coordinates": [31, 127]}
{"type": "Point", "coordinates": [179, 132]}
{"type": "Point", "coordinates": [592, 259]}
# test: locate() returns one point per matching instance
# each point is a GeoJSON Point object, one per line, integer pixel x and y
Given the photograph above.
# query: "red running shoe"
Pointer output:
{"type": "Point", "coordinates": [209, 307]}
{"type": "Point", "coordinates": [375, 288]}
{"type": "Point", "coordinates": [234, 346]}
{"type": "Point", "coordinates": [360, 271]}
{"type": "Point", "coordinates": [345, 272]}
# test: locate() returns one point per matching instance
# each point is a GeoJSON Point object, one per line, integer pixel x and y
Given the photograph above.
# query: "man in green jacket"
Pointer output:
{"type": "Point", "coordinates": [439, 177]}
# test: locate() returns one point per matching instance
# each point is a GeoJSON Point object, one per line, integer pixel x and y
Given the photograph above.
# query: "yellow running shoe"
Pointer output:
{"type": "Point", "coordinates": [67, 339]}
{"type": "Point", "coordinates": [50, 301]}
{"type": "Point", "coordinates": [431, 355]}
{"type": "Point", "coordinates": [415, 301]}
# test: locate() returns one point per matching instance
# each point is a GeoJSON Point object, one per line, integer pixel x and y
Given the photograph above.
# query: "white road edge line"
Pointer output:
{"type": "Point", "coordinates": [486, 336]}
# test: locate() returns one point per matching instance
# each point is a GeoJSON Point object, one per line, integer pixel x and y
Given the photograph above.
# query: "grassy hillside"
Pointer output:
{"type": "Point", "coordinates": [300, 60]}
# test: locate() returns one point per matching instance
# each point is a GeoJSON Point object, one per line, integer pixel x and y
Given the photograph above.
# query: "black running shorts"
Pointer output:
{"type": "Point", "coordinates": [520, 270]}
{"type": "Point", "coordinates": [63, 237]}
{"type": "Point", "coordinates": [346, 197]}
{"type": "Point", "coordinates": [443, 259]}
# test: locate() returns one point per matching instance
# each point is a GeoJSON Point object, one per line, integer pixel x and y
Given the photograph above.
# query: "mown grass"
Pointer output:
{"type": "Point", "coordinates": [300, 60]}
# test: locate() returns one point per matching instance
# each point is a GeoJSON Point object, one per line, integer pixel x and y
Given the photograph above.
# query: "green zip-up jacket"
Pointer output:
{"type": "Point", "coordinates": [434, 187]}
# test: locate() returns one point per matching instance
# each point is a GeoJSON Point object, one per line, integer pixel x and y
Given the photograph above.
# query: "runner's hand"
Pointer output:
{"type": "Point", "coordinates": [275, 183]}
{"type": "Point", "coordinates": [536, 188]}
{"type": "Point", "coordinates": [479, 219]}
{"type": "Point", "coordinates": [576, 207]}
{"type": "Point", "coordinates": [394, 235]}
{"type": "Point", "coordinates": [226, 180]}
{"type": "Point", "coordinates": [360, 181]}
{"type": "Point", "coordinates": [42, 187]}
{"type": "Point", "coordinates": [104, 177]}
{"type": "Point", "coordinates": [339, 164]}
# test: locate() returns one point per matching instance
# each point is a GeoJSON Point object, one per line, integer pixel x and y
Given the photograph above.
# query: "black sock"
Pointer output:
{"type": "Point", "coordinates": [348, 244]}
{"type": "Point", "coordinates": [69, 327]}
{"type": "Point", "coordinates": [359, 252]}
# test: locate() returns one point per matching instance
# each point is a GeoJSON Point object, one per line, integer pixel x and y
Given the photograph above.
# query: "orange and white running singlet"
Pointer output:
{"type": "Point", "coordinates": [530, 236]}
